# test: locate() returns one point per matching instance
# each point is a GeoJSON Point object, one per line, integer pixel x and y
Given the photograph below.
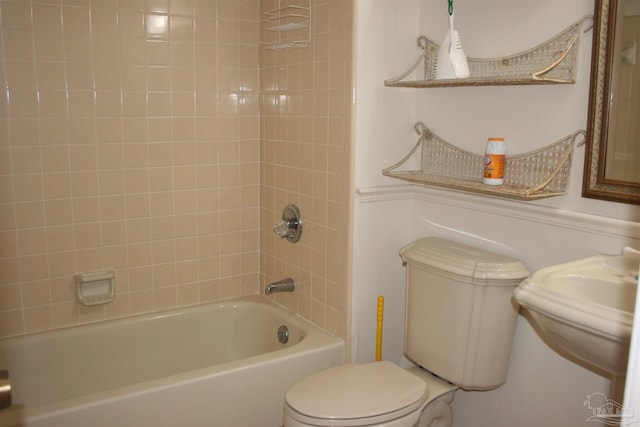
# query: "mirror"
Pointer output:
{"type": "Point", "coordinates": [612, 161]}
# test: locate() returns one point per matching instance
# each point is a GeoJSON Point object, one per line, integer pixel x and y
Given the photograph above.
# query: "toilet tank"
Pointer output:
{"type": "Point", "coordinates": [460, 318]}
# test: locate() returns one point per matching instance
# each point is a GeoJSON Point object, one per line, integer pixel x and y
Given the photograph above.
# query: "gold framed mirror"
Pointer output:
{"type": "Point", "coordinates": [612, 160]}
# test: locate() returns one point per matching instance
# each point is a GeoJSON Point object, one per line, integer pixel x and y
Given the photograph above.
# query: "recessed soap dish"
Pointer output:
{"type": "Point", "coordinates": [94, 288]}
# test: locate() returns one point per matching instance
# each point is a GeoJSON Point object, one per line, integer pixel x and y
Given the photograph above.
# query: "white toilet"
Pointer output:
{"type": "Point", "coordinates": [459, 328]}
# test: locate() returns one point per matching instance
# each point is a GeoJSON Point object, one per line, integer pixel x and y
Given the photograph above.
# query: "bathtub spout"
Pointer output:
{"type": "Point", "coordinates": [284, 285]}
{"type": "Point", "coordinates": [5, 389]}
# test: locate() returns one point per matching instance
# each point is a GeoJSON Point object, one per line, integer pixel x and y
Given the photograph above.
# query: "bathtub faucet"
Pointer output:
{"type": "Point", "coordinates": [284, 285]}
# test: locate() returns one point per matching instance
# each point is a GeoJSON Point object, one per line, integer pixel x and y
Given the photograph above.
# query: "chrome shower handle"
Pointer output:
{"type": "Point", "coordinates": [290, 226]}
{"type": "Point", "coordinates": [282, 228]}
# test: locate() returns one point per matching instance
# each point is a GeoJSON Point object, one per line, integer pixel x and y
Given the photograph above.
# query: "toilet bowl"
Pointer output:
{"type": "Point", "coordinates": [370, 394]}
{"type": "Point", "coordinates": [459, 327]}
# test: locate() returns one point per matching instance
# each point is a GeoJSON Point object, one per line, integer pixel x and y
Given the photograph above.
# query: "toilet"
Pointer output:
{"type": "Point", "coordinates": [459, 327]}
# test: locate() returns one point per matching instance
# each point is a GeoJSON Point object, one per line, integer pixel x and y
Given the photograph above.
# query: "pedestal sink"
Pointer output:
{"type": "Point", "coordinates": [584, 309]}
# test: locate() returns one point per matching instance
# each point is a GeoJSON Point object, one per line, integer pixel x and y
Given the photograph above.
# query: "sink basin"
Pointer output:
{"type": "Point", "coordinates": [584, 309]}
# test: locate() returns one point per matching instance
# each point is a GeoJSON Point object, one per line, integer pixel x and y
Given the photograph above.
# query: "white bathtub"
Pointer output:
{"type": "Point", "coordinates": [215, 365]}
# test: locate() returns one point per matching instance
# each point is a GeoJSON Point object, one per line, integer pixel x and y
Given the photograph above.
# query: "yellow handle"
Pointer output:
{"type": "Point", "coordinates": [379, 328]}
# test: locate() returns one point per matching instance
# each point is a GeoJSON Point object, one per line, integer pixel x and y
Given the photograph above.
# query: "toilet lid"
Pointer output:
{"type": "Point", "coordinates": [358, 391]}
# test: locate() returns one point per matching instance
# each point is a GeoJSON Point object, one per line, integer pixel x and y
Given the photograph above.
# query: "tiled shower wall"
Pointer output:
{"type": "Point", "coordinates": [129, 140]}
{"type": "Point", "coordinates": [306, 160]}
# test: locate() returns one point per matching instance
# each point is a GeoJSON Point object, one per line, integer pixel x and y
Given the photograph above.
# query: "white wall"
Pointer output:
{"type": "Point", "coordinates": [542, 388]}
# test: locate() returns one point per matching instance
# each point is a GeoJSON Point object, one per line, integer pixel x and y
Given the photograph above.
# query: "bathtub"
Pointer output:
{"type": "Point", "coordinates": [218, 365]}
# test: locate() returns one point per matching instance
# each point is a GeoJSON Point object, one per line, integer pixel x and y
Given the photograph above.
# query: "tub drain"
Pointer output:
{"type": "Point", "coordinates": [283, 334]}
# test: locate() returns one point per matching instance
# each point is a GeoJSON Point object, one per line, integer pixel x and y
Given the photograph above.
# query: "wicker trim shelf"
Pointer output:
{"type": "Point", "coordinates": [530, 176]}
{"type": "Point", "coordinates": [551, 62]}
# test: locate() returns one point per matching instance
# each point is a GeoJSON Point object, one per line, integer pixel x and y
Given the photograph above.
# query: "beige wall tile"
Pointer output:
{"type": "Point", "coordinates": [114, 233]}
{"type": "Point", "coordinates": [86, 209]}
{"type": "Point", "coordinates": [16, 16]}
{"type": "Point", "coordinates": [10, 272]}
{"type": "Point", "coordinates": [81, 104]}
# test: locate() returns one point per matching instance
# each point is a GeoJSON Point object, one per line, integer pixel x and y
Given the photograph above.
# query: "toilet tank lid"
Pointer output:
{"type": "Point", "coordinates": [465, 260]}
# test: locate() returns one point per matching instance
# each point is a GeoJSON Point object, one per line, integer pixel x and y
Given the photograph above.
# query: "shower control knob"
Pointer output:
{"type": "Point", "coordinates": [281, 227]}
{"type": "Point", "coordinates": [290, 226]}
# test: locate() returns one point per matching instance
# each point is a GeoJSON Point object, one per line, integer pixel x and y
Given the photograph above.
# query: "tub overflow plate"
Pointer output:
{"type": "Point", "coordinates": [283, 334]}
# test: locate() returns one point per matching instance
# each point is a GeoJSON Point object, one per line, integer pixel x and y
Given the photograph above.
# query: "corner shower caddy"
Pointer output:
{"type": "Point", "coordinates": [534, 175]}
{"type": "Point", "coordinates": [290, 24]}
{"type": "Point", "coordinates": [553, 61]}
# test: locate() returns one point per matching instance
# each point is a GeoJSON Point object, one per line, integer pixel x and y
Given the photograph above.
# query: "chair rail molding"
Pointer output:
{"type": "Point", "coordinates": [522, 211]}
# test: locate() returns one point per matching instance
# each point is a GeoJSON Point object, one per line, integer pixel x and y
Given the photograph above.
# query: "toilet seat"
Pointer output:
{"type": "Point", "coordinates": [355, 395]}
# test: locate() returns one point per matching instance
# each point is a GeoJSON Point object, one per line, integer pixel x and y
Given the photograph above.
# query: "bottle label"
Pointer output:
{"type": "Point", "coordinates": [494, 166]}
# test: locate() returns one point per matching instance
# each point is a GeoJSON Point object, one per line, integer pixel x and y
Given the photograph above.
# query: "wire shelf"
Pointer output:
{"type": "Point", "coordinates": [553, 61]}
{"type": "Point", "coordinates": [534, 175]}
{"type": "Point", "coordinates": [289, 24]}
